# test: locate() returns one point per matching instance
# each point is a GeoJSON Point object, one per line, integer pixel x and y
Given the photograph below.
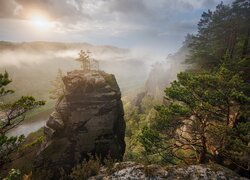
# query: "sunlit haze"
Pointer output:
{"type": "Point", "coordinates": [159, 26]}
{"type": "Point", "coordinates": [40, 21]}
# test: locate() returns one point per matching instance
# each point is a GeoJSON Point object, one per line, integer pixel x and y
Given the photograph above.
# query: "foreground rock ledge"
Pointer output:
{"type": "Point", "coordinates": [132, 170]}
{"type": "Point", "coordinates": [87, 119]}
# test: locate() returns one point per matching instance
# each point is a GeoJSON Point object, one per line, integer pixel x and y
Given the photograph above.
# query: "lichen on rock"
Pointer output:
{"type": "Point", "coordinates": [132, 170]}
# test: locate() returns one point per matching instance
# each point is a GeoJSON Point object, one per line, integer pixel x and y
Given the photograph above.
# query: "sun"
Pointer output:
{"type": "Point", "coordinates": [40, 21]}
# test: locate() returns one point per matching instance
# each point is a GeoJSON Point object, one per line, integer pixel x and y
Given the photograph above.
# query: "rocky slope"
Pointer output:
{"type": "Point", "coordinates": [88, 119]}
{"type": "Point", "coordinates": [132, 170]}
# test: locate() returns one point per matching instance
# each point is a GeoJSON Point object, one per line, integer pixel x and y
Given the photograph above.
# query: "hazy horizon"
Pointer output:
{"type": "Point", "coordinates": [127, 36]}
{"type": "Point", "coordinates": [157, 26]}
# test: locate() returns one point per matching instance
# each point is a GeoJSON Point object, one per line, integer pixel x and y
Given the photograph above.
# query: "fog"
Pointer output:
{"type": "Point", "coordinates": [32, 66]}
{"type": "Point", "coordinates": [164, 72]}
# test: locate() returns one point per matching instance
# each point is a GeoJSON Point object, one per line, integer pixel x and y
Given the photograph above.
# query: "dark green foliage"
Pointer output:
{"type": "Point", "coordinates": [149, 137]}
{"type": "Point", "coordinates": [8, 145]}
{"type": "Point", "coordinates": [223, 42]}
{"type": "Point", "coordinates": [86, 169]}
{"type": "Point", "coordinates": [205, 116]}
{"type": "Point", "coordinates": [11, 115]}
{"type": "Point", "coordinates": [135, 121]}
{"type": "Point", "coordinates": [109, 164]}
{"type": "Point", "coordinates": [224, 31]}
{"type": "Point", "coordinates": [24, 155]}
{"type": "Point", "coordinates": [109, 78]}
{"type": "Point", "coordinates": [199, 106]}
{"type": "Point", "coordinates": [233, 144]}
{"type": "Point", "coordinates": [14, 113]}
{"type": "Point", "coordinates": [14, 174]}
{"type": "Point", "coordinates": [206, 111]}
{"type": "Point", "coordinates": [156, 147]}
{"type": "Point", "coordinates": [4, 81]}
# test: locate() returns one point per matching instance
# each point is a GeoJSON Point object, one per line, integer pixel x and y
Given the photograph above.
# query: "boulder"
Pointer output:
{"type": "Point", "coordinates": [87, 120]}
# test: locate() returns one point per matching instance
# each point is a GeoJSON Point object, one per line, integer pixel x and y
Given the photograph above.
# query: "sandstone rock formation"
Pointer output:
{"type": "Point", "coordinates": [88, 119]}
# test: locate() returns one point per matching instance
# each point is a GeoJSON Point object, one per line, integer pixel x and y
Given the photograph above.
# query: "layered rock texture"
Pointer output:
{"type": "Point", "coordinates": [88, 119]}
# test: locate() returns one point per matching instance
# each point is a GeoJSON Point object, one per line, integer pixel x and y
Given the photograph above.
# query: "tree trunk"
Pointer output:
{"type": "Point", "coordinates": [203, 152]}
{"type": "Point", "coordinates": [233, 44]}
{"type": "Point", "coordinates": [245, 46]}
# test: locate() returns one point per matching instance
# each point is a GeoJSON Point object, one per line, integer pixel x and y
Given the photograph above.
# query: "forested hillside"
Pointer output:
{"type": "Point", "coordinates": [205, 113]}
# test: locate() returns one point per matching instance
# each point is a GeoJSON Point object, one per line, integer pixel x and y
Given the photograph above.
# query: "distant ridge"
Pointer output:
{"type": "Point", "coordinates": [49, 45]}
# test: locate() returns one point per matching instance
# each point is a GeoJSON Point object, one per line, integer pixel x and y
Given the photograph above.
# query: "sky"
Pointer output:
{"type": "Point", "coordinates": [155, 24]}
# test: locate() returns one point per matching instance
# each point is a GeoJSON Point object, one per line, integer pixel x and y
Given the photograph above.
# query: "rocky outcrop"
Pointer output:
{"type": "Point", "coordinates": [87, 120]}
{"type": "Point", "coordinates": [132, 170]}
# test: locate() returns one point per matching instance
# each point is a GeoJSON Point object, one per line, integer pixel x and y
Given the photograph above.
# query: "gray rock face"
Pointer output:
{"type": "Point", "coordinates": [134, 171]}
{"type": "Point", "coordinates": [88, 119]}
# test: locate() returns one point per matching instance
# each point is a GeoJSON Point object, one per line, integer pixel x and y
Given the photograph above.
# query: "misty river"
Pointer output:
{"type": "Point", "coordinates": [31, 125]}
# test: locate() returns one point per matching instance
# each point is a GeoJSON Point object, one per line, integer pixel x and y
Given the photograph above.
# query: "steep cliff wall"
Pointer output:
{"type": "Point", "coordinates": [88, 119]}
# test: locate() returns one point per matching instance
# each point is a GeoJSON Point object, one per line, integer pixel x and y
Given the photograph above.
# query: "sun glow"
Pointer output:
{"type": "Point", "coordinates": [40, 22]}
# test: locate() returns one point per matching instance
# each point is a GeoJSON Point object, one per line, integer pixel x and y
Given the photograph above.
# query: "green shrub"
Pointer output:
{"type": "Point", "coordinates": [109, 78]}
{"type": "Point", "coordinates": [109, 164]}
{"type": "Point", "coordinates": [14, 174]}
{"type": "Point", "coordinates": [86, 169]}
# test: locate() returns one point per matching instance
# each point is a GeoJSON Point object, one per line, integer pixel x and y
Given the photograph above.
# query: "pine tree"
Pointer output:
{"type": "Point", "coordinates": [200, 106]}
{"type": "Point", "coordinates": [84, 59]}
{"type": "Point", "coordinates": [11, 115]}
{"type": "Point", "coordinates": [223, 31]}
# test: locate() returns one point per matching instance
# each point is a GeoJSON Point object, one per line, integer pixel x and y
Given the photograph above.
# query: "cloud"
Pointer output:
{"type": "Point", "coordinates": [130, 22]}
{"type": "Point", "coordinates": [8, 8]}
{"type": "Point", "coordinates": [182, 27]}
{"type": "Point", "coordinates": [209, 3]}
{"type": "Point", "coordinates": [102, 11]}
{"type": "Point", "coordinates": [76, 10]}
{"type": "Point", "coordinates": [58, 10]}
{"type": "Point", "coordinates": [129, 8]}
